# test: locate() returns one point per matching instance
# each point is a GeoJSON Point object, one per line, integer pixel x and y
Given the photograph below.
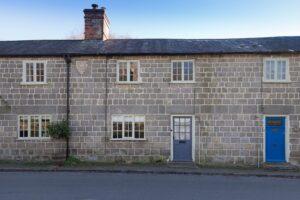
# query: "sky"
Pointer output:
{"type": "Point", "coordinates": [59, 19]}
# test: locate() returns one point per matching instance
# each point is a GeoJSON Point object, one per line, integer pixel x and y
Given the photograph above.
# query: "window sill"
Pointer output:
{"type": "Point", "coordinates": [183, 82]}
{"type": "Point", "coordinates": [128, 139]}
{"type": "Point", "coordinates": [34, 83]}
{"type": "Point", "coordinates": [34, 139]}
{"type": "Point", "coordinates": [284, 82]}
{"type": "Point", "coordinates": [129, 83]}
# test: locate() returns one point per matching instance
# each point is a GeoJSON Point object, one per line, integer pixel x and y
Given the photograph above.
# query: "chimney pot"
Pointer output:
{"type": "Point", "coordinates": [94, 6]}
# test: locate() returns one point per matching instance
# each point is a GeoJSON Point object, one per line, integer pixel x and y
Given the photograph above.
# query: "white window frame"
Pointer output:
{"type": "Point", "coordinates": [287, 72]}
{"type": "Point", "coordinates": [34, 82]}
{"type": "Point", "coordinates": [182, 72]}
{"type": "Point", "coordinates": [123, 127]}
{"type": "Point", "coordinates": [128, 71]}
{"type": "Point", "coordinates": [29, 127]}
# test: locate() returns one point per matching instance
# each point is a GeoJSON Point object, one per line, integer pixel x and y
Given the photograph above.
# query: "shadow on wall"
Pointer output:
{"type": "Point", "coordinates": [4, 106]}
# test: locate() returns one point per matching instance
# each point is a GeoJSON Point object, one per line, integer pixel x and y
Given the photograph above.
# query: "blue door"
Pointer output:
{"type": "Point", "coordinates": [182, 138]}
{"type": "Point", "coordinates": [275, 139]}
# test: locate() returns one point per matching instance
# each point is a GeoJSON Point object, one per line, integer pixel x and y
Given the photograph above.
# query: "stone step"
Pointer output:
{"type": "Point", "coordinates": [176, 164]}
{"type": "Point", "coordinates": [280, 166]}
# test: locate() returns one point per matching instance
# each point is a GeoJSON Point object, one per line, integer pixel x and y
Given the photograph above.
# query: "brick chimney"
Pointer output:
{"type": "Point", "coordinates": [96, 23]}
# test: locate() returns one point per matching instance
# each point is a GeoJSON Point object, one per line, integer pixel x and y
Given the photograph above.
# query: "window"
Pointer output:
{"type": "Point", "coordinates": [128, 127]}
{"type": "Point", "coordinates": [183, 71]}
{"type": "Point", "coordinates": [34, 126]}
{"type": "Point", "coordinates": [276, 70]}
{"type": "Point", "coordinates": [128, 71]}
{"type": "Point", "coordinates": [34, 72]}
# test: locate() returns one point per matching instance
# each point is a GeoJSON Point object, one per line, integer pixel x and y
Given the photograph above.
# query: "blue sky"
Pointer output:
{"type": "Point", "coordinates": [58, 19]}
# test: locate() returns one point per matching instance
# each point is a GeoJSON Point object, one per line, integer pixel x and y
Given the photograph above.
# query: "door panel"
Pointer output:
{"type": "Point", "coordinates": [182, 138]}
{"type": "Point", "coordinates": [275, 139]}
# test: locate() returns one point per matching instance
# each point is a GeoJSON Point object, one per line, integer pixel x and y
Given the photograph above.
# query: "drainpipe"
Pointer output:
{"type": "Point", "coordinates": [106, 102]}
{"type": "Point", "coordinates": [68, 61]}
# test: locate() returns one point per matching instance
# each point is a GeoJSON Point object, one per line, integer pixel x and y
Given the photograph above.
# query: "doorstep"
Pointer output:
{"type": "Point", "coordinates": [280, 166]}
{"type": "Point", "coordinates": [183, 165]}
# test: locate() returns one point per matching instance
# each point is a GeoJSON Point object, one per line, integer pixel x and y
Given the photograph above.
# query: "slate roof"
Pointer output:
{"type": "Point", "coordinates": [149, 46]}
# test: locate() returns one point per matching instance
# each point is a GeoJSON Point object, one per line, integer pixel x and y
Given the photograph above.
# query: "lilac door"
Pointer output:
{"type": "Point", "coordinates": [182, 138]}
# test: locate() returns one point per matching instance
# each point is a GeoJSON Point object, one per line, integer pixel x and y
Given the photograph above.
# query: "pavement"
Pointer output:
{"type": "Point", "coordinates": [177, 168]}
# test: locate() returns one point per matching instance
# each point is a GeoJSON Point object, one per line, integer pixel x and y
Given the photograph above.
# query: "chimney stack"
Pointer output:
{"type": "Point", "coordinates": [96, 23]}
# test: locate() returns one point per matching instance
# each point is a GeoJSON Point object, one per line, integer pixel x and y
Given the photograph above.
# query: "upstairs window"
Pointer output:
{"type": "Point", "coordinates": [183, 71]}
{"type": "Point", "coordinates": [128, 71]}
{"type": "Point", "coordinates": [128, 127]}
{"type": "Point", "coordinates": [33, 126]}
{"type": "Point", "coordinates": [34, 72]}
{"type": "Point", "coordinates": [276, 70]}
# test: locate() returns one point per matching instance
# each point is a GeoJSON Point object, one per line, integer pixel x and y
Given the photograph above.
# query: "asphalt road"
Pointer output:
{"type": "Point", "coordinates": [94, 186]}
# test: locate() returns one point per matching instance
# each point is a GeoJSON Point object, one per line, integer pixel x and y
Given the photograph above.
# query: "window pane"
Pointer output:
{"type": "Point", "coordinates": [188, 71]}
{"type": "Point", "coordinates": [122, 71]}
{"type": "Point", "coordinates": [128, 126]}
{"type": "Point", "coordinates": [34, 126]}
{"type": "Point", "coordinates": [29, 72]}
{"type": "Point", "coordinates": [268, 70]}
{"type": "Point", "coordinates": [40, 72]}
{"type": "Point", "coordinates": [139, 118]}
{"type": "Point", "coordinates": [117, 129]}
{"type": "Point", "coordinates": [44, 126]}
{"type": "Point", "coordinates": [139, 130]}
{"type": "Point", "coordinates": [283, 72]}
{"type": "Point", "coordinates": [139, 127]}
{"type": "Point", "coordinates": [23, 126]}
{"type": "Point", "coordinates": [128, 129]}
{"type": "Point", "coordinates": [279, 70]}
{"type": "Point", "coordinates": [117, 118]}
{"type": "Point", "coordinates": [134, 71]}
{"type": "Point", "coordinates": [177, 71]}
{"type": "Point", "coordinates": [191, 72]}
{"type": "Point", "coordinates": [272, 70]}
{"type": "Point", "coordinates": [182, 128]}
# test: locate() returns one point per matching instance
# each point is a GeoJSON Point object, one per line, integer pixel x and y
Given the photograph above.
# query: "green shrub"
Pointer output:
{"type": "Point", "coordinates": [72, 161]}
{"type": "Point", "coordinates": [59, 130]}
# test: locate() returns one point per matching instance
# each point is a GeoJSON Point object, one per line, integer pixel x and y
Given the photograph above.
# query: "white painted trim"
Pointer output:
{"type": "Point", "coordinates": [128, 72]}
{"type": "Point", "coordinates": [34, 82]}
{"type": "Point", "coordinates": [287, 72]}
{"type": "Point", "coordinates": [182, 63]}
{"type": "Point", "coordinates": [287, 136]}
{"type": "Point", "coordinates": [193, 135]}
{"type": "Point", "coordinates": [126, 138]}
{"type": "Point", "coordinates": [29, 127]}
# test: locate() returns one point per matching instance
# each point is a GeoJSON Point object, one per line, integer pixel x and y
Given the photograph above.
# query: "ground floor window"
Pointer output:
{"type": "Point", "coordinates": [128, 127]}
{"type": "Point", "coordinates": [33, 126]}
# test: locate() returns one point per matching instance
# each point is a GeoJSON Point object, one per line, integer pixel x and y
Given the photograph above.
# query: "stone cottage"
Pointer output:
{"type": "Point", "coordinates": [233, 101]}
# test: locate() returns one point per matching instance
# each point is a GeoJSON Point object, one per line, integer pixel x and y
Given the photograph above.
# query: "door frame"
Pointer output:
{"type": "Point", "coordinates": [286, 134]}
{"type": "Point", "coordinates": [192, 135]}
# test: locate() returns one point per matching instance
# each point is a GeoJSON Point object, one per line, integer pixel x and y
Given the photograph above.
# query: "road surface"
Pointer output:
{"type": "Point", "coordinates": [97, 186]}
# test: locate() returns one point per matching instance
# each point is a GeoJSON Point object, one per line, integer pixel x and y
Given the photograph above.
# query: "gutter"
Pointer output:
{"type": "Point", "coordinates": [148, 54]}
{"type": "Point", "coordinates": [68, 61]}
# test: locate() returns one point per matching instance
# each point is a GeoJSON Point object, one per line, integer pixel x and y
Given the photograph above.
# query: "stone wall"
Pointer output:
{"type": "Point", "coordinates": [29, 99]}
{"type": "Point", "coordinates": [228, 100]}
